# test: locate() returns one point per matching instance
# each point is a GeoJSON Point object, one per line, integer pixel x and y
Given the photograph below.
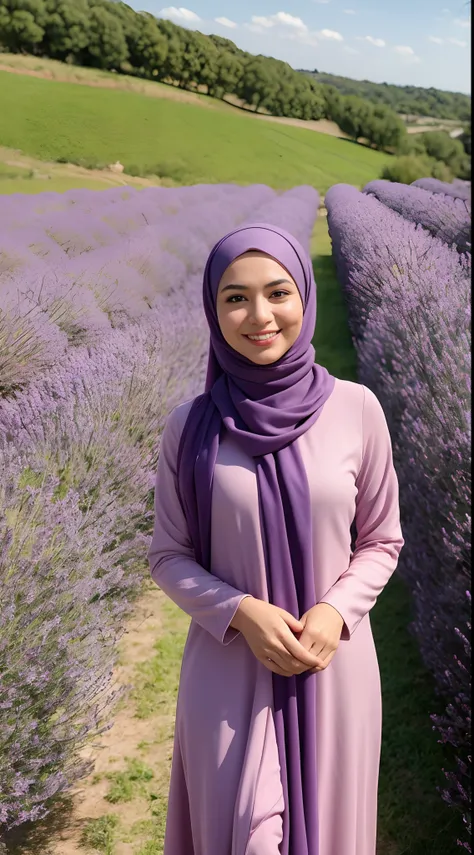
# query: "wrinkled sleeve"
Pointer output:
{"type": "Point", "coordinates": [379, 535]}
{"type": "Point", "coordinates": [209, 601]}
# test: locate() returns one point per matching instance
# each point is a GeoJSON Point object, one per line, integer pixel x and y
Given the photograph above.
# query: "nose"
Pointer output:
{"type": "Point", "coordinates": [260, 312]}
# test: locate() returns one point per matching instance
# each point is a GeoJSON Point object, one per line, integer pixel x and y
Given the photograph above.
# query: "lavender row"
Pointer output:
{"type": "Point", "coordinates": [58, 302]}
{"type": "Point", "coordinates": [445, 217]}
{"type": "Point", "coordinates": [408, 299]}
{"type": "Point", "coordinates": [78, 222]}
{"type": "Point", "coordinates": [78, 451]}
{"type": "Point", "coordinates": [458, 189]}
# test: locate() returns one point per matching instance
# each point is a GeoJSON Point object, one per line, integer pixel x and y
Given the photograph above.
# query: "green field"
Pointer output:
{"type": "Point", "coordinates": [39, 185]}
{"type": "Point", "coordinates": [90, 126]}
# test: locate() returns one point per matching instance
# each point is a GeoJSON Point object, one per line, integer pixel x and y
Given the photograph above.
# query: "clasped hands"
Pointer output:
{"type": "Point", "coordinates": [285, 645]}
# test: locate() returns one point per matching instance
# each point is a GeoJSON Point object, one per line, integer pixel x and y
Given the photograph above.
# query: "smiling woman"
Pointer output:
{"type": "Point", "coordinates": [259, 307]}
{"type": "Point", "coordinates": [259, 480]}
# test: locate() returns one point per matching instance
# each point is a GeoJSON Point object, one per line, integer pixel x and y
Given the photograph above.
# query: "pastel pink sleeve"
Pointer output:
{"type": "Point", "coordinates": [379, 535]}
{"type": "Point", "coordinates": [209, 601]}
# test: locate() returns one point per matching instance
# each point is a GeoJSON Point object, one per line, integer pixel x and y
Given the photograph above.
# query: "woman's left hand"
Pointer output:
{"type": "Point", "coordinates": [322, 632]}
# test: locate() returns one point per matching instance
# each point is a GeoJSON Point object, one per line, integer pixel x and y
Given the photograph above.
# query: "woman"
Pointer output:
{"type": "Point", "coordinates": [278, 720]}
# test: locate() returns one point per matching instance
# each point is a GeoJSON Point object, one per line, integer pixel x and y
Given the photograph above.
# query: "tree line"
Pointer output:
{"type": "Point", "coordinates": [406, 100]}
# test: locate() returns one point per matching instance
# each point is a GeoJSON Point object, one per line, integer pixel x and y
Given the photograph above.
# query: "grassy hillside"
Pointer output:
{"type": "Point", "coordinates": [94, 127]}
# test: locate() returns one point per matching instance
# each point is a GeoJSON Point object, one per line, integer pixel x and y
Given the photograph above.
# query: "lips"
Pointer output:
{"type": "Point", "coordinates": [264, 341]}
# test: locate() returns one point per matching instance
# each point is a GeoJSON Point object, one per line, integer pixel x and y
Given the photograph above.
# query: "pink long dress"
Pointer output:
{"type": "Point", "coordinates": [225, 793]}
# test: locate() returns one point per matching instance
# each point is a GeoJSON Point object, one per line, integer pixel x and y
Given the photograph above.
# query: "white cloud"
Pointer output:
{"type": "Point", "coordinates": [349, 11]}
{"type": "Point", "coordinates": [457, 42]}
{"type": "Point", "coordinates": [407, 53]}
{"type": "Point", "coordinates": [372, 41]}
{"type": "Point", "coordinates": [330, 34]}
{"type": "Point", "coordinates": [179, 14]}
{"type": "Point", "coordinates": [260, 21]}
{"type": "Point", "coordinates": [463, 22]}
{"type": "Point", "coordinates": [283, 19]}
{"type": "Point", "coordinates": [405, 49]}
{"type": "Point", "coordinates": [289, 20]}
{"type": "Point", "coordinates": [226, 22]}
{"type": "Point", "coordinates": [436, 40]}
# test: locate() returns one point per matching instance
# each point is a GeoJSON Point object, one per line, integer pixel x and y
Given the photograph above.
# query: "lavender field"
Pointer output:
{"type": "Point", "coordinates": [406, 283]}
{"type": "Point", "coordinates": [102, 333]}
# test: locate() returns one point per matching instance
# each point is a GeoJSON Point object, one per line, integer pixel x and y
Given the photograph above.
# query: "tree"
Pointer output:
{"type": "Point", "coordinates": [229, 70]}
{"type": "Point", "coordinates": [22, 25]}
{"type": "Point", "coordinates": [439, 145]}
{"type": "Point", "coordinates": [147, 46]}
{"type": "Point", "coordinates": [173, 64]}
{"type": "Point", "coordinates": [356, 117]}
{"type": "Point", "coordinates": [258, 82]}
{"type": "Point", "coordinates": [66, 29]}
{"type": "Point", "coordinates": [107, 46]}
{"type": "Point", "coordinates": [207, 60]}
{"type": "Point", "coordinates": [384, 128]}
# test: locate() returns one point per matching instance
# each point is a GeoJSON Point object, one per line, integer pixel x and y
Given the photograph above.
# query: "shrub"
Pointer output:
{"type": "Point", "coordinates": [408, 168]}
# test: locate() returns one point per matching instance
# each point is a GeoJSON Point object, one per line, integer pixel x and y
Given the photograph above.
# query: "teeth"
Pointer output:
{"type": "Point", "coordinates": [262, 337]}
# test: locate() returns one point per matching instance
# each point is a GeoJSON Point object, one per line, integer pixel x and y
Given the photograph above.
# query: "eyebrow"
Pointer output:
{"type": "Point", "coordinates": [245, 287]}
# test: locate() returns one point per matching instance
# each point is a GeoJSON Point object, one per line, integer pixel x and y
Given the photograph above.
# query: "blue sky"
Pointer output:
{"type": "Point", "coordinates": [419, 42]}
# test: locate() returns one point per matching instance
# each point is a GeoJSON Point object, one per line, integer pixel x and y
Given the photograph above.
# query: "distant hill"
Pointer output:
{"type": "Point", "coordinates": [411, 100]}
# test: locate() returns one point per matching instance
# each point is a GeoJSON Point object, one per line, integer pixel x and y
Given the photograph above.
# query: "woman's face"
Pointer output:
{"type": "Point", "coordinates": [257, 296]}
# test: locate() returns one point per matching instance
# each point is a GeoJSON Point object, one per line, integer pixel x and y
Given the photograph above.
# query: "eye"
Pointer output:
{"type": "Point", "coordinates": [278, 294]}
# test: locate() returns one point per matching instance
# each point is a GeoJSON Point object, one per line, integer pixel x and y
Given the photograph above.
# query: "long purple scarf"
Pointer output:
{"type": "Point", "coordinates": [265, 408]}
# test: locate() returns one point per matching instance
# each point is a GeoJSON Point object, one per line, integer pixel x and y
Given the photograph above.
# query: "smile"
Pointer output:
{"type": "Point", "coordinates": [263, 338]}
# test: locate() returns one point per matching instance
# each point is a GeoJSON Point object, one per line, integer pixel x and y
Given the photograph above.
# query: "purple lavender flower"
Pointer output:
{"type": "Point", "coordinates": [408, 297]}
{"type": "Point", "coordinates": [98, 294]}
{"type": "Point", "coordinates": [445, 217]}
{"type": "Point", "coordinates": [458, 189]}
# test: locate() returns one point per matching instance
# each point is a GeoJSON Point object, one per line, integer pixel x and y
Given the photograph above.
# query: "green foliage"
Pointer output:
{"type": "Point", "coordinates": [448, 156]}
{"type": "Point", "coordinates": [22, 24]}
{"type": "Point", "coordinates": [440, 146]}
{"type": "Point", "coordinates": [412, 144]}
{"type": "Point", "coordinates": [402, 99]}
{"type": "Point", "coordinates": [409, 167]}
{"type": "Point", "coordinates": [107, 45]}
{"type": "Point", "coordinates": [440, 171]}
{"type": "Point", "coordinates": [465, 139]}
{"type": "Point", "coordinates": [66, 29]}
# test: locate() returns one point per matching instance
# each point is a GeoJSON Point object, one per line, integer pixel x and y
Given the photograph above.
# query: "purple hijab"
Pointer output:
{"type": "Point", "coordinates": [265, 408]}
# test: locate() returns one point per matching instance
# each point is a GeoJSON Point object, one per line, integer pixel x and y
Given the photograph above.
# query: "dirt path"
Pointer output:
{"type": "Point", "coordinates": [49, 169]}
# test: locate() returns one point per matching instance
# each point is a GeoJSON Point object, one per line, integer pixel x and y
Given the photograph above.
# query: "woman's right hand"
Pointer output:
{"type": "Point", "coordinates": [269, 632]}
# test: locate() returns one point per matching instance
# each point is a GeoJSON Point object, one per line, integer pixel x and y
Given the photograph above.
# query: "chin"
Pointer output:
{"type": "Point", "coordinates": [266, 357]}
